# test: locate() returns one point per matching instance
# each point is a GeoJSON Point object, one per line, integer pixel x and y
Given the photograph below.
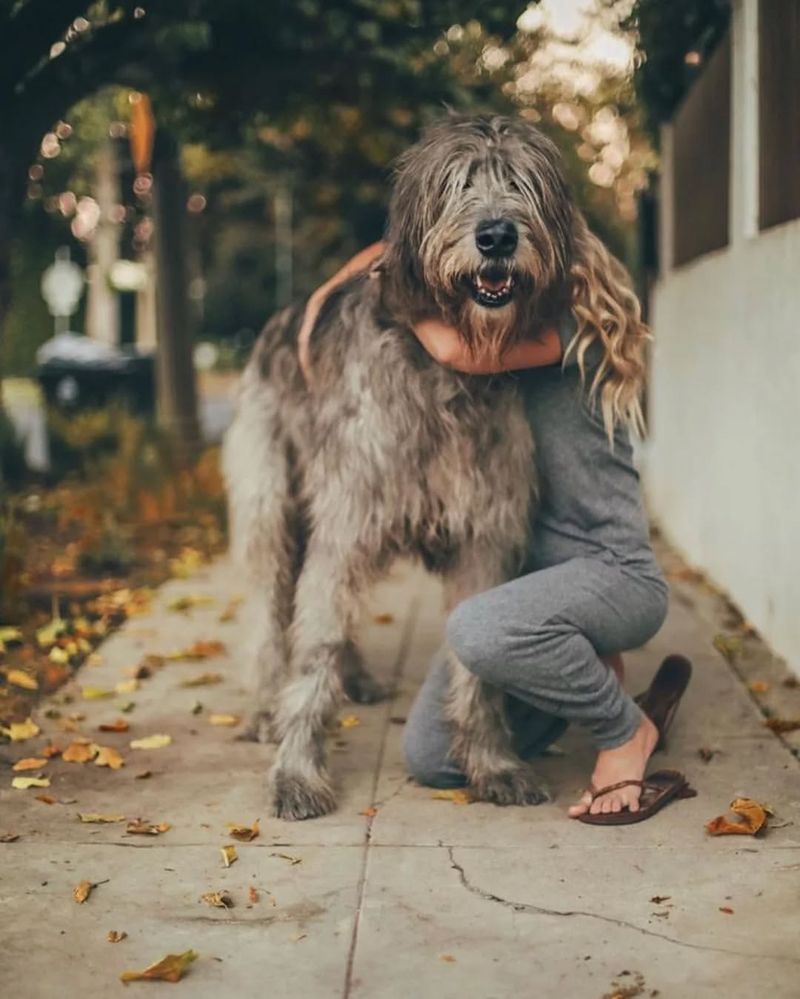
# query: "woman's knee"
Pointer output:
{"type": "Point", "coordinates": [474, 636]}
{"type": "Point", "coordinates": [427, 764]}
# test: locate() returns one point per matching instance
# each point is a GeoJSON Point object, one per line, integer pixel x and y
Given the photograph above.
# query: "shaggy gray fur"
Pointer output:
{"type": "Point", "coordinates": [390, 453]}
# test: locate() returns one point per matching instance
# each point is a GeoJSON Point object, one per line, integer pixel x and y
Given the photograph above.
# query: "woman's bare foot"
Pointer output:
{"type": "Point", "coordinates": [625, 762]}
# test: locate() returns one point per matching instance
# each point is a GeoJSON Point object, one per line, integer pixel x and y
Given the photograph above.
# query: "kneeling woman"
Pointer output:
{"type": "Point", "coordinates": [552, 638]}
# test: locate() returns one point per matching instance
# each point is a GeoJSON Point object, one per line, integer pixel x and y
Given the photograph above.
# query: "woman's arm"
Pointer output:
{"type": "Point", "coordinates": [362, 261]}
{"type": "Point", "coordinates": [445, 345]}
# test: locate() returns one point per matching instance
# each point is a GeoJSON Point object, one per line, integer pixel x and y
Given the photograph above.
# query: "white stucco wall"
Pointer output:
{"type": "Point", "coordinates": [722, 467]}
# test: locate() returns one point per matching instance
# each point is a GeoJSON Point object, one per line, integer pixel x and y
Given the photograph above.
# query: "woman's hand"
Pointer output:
{"type": "Point", "coordinates": [445, 345]}
{"type": "Point", "coordinates": [362, 261]}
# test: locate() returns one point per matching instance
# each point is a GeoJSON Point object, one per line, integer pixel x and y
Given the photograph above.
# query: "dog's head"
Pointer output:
{"type": "Point", "coordinates": [480, 229]}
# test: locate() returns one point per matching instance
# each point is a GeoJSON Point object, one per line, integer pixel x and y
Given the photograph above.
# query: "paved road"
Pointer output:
{"type": "Point", "coordinates": [423, 898]}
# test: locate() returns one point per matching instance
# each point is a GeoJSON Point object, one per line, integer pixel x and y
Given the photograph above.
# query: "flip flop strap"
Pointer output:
{"type": "Point", "coordinates": [598, 793]}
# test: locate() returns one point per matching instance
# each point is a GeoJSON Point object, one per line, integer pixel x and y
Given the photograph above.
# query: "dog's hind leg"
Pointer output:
{"type": "Point", "coordinates": [326, 603]}
{"type": "Point", "coordinates": [482, 739]}
{"type": "Point", "coordinates": [256, 465]}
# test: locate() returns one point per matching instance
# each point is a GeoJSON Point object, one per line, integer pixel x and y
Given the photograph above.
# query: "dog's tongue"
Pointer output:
{"type": "Point", "coordinates": [493, 284]}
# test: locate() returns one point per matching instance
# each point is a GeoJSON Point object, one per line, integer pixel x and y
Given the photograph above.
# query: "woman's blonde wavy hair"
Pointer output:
{"type": "Point", "coordinates": [607, 311]}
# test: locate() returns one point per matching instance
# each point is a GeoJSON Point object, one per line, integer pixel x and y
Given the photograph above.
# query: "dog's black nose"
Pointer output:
{"type": "Point", "coordinates": [496, 238]}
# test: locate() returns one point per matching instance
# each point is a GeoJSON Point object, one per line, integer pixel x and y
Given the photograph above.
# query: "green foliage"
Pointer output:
{"type": "Point", "coordinates": [667, 32]}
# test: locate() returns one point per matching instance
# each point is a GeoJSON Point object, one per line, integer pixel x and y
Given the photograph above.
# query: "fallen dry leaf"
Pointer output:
{"type": "Point", "coordinates": [187, 602]}
{"type": "Point", "coordinates": [229, 614]}
{"type": "Point", "coordinates": [369, 812]}
{"type": "Point", "coordinates": [23, 783]}
{"type": "Point", "coordinates": [46, 799]}
{"type": "Point", "coordinates": [29, 763]}
{"type": "Point", "coordinates": [791, 682]}
{"type": "Point", "coordinates": [218, 899]}
{"type": "Point", "coordinates": [144, 775]}
{"type": "Point", "coordinates": [126, 686]}
{"type": "Point", "coordinates": [199, 650]}
{"type": "Point", "coordinates": [448, 958]}
{"type": "Point", "coordinates": [243, 833]}
{"type": "Point", "coordinates": [758, 687]}
{"type": "Point", "coordinates": [202, 680]}
{"type": "Point", "coordinates": [252, 894]}
{"type": "Point", "coordinates": [50, 751]}
{"type": "Point", "coordinates": [114, 936]}
{"type": "Point", "coordinates": [91, 817]}
{"type": "Point", "coordinates": [228, 720]}
{"type": "Point", "coordinates": [151, 742]}
{"type": "Point", "coordinates": [82, 891]}
{"type": "Point", "coordinates": [9, 837]}
{"type": "Point", "coordinates": [118, 725]}
{"type": "Point", "coordinates": [22, 679]}
{"type": "Point", "coordinates": [79, 752]}
{"type": "Point", "coordinates": [783, 724]}
{"type": "Point", "coordinates": [141, 827]}
{"type": "Point", "coordinates": [169, 969]}
{"type": "Point", "coordinates": [383, 618]}
{"type": "Point", "coordinates": [726, 909]}
{"type": "Point", "coordinates": [20, 731]}
{"type": "Point", "coordinates": [706, 754]}
{"type": "Point", "coordinates": [95, 693]}
{"type": "Point", "coordinates": [458, 795]}
{"type": "Point", "coordinates": [229, 854]}
{"type": "Point", "coordinates": [753, 819]}
{"type": "Point", "coordinates": [349, 721]}
{"type": "Point", "coordinates": [287, 856]}
{"type": "Point", "coordinates": [728, 645]}
{"type": "Point", "coordinates": [658, 899]}
{"type": "Point", "coordinates": [107, 756]}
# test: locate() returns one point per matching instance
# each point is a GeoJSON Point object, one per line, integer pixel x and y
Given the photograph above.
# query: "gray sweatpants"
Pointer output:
{"type": "Point", "coordinates": [539, 638]}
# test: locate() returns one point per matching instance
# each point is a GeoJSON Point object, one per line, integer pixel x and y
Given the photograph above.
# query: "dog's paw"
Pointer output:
{"type": "Point", "coordinates": [260, 728]}
{"type": "Point", "coordinates": [363, 688]}
{"type": "Point", "coordinates": [520, 786]}
{"type": "Point", "coordinates": [295, 797]}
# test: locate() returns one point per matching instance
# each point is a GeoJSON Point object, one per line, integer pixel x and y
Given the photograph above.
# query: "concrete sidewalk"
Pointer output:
{"type": "Point", "coordinates": [424, 897]}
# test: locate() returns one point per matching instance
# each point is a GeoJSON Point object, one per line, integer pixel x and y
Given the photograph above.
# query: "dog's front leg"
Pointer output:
{"type": "Point", "coordinates": [482, 743]}
{"type": "Point", "coordinates": [326, 603]}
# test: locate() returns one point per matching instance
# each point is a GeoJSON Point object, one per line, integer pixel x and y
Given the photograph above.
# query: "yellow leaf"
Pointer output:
{"type": "Point", "coordinates": [243, 833]}
{"type": "Point", "coordinates": [229, 855]}
{"type": "Point", "coordinates": [169, 969]}
{"type": "Point", "coordinates": [218, 899]}
{"type": "Point", "coordinates": [349, 721]}
{"type": "Point", "coordinates": [759, 686]}
{"type": "Point", "coordinates": [49, 633]}
{"type": "Point", "coordinates": [23, 783]}
{"type": "Point", "coordinates": [458, 795]}
{"type": "Point", "coordinates": [202, 680]}
{"type": "Point", "coordinates": [59, 655]}
{"type": "Point", "coordinates": [287, 856]}
{"type": "Point", "coordinates": [114, 936]}
{"type": "Point", "coordinates": [29, 763]}
{"type": "Point", "coordinates": [224, 719]}
{"type": "Point", "coordinates": [107, 756]}
{"type": "Point", "coordinates": [22, 679]}
{"type": "Point", "coordinates": [199, 650]}
{"type": "Point", "coordinates": [8, 633]}
{"type": "Point", "coordinates": [98, 817]}
{"type": "Point", "coordinates": [95, 693]}
{"type": "Point", "coordinates": [79, 752]}
{"type": "Point", "coordinates": [20, 731]}
{"type": "Point", "coordinates": [127, 686]}
{"type": "Point", "coordinates": [151, 742]}
{"type": "Point", "coordinates": [82, 891]}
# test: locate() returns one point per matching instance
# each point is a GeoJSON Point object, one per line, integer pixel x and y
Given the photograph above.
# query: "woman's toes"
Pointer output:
{"type": "Point", "coordinates": [582, 807]}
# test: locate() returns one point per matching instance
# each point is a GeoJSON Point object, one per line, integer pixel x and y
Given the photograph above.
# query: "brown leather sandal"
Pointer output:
{"type": "Point", "coordinates": [658, 789]}
{"type": "Point", "coordinates": [661, 699]}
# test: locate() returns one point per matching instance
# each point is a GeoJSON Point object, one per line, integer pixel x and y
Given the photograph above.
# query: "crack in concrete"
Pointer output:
{"type": "Point", "coordinates": [538, 910]}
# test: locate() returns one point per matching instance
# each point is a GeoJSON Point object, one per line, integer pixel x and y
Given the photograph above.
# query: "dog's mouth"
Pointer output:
{"type": "Point", "coordinates": [492, 288]}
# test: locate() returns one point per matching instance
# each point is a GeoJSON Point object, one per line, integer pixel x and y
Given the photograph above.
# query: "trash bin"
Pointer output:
{"type": "Point", "coordinates": [78, 374]}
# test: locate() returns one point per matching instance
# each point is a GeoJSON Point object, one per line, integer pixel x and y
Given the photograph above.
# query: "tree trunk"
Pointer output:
{"type": "Point", "coordinates": [177, 393]}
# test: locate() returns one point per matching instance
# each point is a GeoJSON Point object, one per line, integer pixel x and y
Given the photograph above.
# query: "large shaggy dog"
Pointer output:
{"type": "Point", "coordinates": [390, 453]}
